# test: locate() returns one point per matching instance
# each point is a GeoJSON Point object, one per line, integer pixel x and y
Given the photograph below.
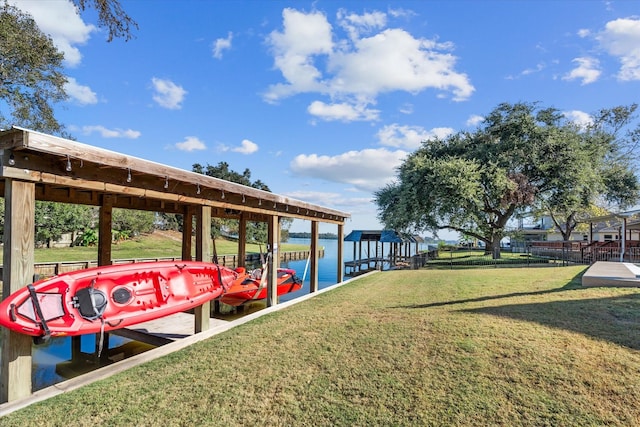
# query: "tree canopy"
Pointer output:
{"type": "Point", "coordinates": [110, 15]}
{"type": "Point", "coordinates": [522, 158]}
{"type": "Point", "coordinates": [32, 80]}
{"type": "Point", "coordinates": [31, 77]}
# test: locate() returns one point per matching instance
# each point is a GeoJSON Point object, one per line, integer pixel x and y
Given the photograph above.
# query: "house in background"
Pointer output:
{"type": "Point", "coordinates": [600, 229]}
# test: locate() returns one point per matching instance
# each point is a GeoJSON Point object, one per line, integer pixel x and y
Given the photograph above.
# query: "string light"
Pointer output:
{"type": "Point", "coordinates": [222, 194]}
{"type": "Point", "coordinates": [259, 202]}
{"type": "Point", "coordinates": [243, 199]}
{"type": "Point", "coordinates": [12, 160]}
{"type": "Point", "coordinates": [68, 168]}
{"type": "Point", "coordinates": [129, 175]}
{"type": "Point", "coordinates": [198, 190]}
{"type": "Point", "coordinates": [166, 182]}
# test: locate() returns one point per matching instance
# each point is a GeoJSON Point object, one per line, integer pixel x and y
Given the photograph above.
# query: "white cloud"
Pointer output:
{"type": "Point", "coordinates": [191, 143]}
{"type": "Point", "coordinates": [312, 59]}
{"type": "Point", "coordinates": [304, 36]}
{"type": "Point", "coordinates": [621, 38]}
{"type": "Point", "coordinates": [588, 70]}
{"type": "Point", "coordinates": [355, 24]}
{"type": "Point", "coordinates": [406, 108]}
{"type": "Point", "coordinates": [81, 94]}
{"type": "Point", "coordinates": [111, 133]}
{"type": "Point", "coordinates": [409, 137]}
{"type": "Point", "coordinates": [221, 45]}
{"type": "Point", "coordinates": [246, 147]}
{"type": "Point", "coordinates": [367, 170]}
{"type": "Point", "coordinates": [60, 20]}
{"type": "Point", "coordinates": [580, 118]}
{"type": "Point", "coordinates": [474, 120]}
{"type": "Point", "coordinates": [168, 94]}
{"type": "Point", "coordinates": [342, 112]}
{"type": "Point", "coordinates": [582, 33]}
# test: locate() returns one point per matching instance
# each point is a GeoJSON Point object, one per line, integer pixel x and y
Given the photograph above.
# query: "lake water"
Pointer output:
{"type": "Point", "coordinates": [51, 361]}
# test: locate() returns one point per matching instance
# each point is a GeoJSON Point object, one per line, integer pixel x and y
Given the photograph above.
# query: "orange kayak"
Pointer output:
{"type": "Point", "coordinates": [111, 297]}
{"type": "Point", "coordinates": [252, 286]}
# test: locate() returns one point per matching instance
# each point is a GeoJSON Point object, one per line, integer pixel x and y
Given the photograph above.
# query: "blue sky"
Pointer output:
{"type": "Point", "coordinates": [322, 100]}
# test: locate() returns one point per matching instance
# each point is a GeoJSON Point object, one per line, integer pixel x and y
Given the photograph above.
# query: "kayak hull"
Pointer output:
{"type": "Point", "coordinates": [251, 287]}
{"type": "Point", "coordinates": [111, 297]}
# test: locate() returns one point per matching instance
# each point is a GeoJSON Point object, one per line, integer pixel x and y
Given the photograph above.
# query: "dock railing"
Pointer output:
{"type": "Point", "coordinates": [48, 269]}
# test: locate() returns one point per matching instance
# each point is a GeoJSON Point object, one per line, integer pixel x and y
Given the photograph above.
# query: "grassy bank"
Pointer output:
{"type": "Point", "coordinates": [155, 245]}
{"type": "Point", "coordinates": [525, 347]}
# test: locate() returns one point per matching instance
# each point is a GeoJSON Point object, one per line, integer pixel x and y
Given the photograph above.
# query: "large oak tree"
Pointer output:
{"type": "Point", "coordinates": [522, 157]}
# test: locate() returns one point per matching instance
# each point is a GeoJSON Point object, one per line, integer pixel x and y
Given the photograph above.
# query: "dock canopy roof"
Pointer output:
{"type": "Point", "coordinates": [384, 236]}
{"type": "Point", "coordinates": [68, 171]}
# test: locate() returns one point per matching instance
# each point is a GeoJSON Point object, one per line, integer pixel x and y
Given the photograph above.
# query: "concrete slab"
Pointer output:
{"type": "Point", "coordinates": [606, 273]}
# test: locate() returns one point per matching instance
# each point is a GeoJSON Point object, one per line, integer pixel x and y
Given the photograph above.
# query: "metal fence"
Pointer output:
{"type": "Point", "coordinates": [556, 254]}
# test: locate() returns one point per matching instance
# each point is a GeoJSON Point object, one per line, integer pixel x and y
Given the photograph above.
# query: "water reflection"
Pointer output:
{"type": "Point", "coordinates": [54, 361]}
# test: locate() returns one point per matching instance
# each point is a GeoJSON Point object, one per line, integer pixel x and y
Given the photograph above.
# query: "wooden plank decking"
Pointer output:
{"type": "Point", "coordinates": [165, 330]}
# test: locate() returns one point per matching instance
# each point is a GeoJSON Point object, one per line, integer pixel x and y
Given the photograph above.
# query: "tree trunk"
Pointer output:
{"type": "Point", "coordinates": [495, 248]}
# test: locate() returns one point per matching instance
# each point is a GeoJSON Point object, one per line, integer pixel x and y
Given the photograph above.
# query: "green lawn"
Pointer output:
{"type": "Point", "coordinates": [483, 347]}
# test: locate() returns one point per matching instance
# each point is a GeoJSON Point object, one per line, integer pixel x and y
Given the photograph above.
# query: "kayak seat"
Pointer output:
{"type": "Point", "coordinates": [90, 302]}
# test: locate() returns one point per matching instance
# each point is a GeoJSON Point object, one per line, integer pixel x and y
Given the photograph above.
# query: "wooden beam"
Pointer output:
{"type": "Point", "coordinates": [273, 237]}
{"type": "Point", "coordinates": [104, 234]}
{"type": "Point", "coordinates": [313, 278]}
{"type": "Point", "coordinates": [340, 259]}
{"type": "Point", "coordinates": [187, 232]}
{"type": "Point", "coordinates": [242, 240]}
{"type": "Point", "coordinates": [203, 253]}
{"type": "Point", "coordinates": [18, 259]}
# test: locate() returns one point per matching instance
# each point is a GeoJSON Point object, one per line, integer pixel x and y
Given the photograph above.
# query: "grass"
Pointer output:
{"type": "Point", "coordinates": [155, 245]}
{"type": "Point", "coordinates": [525, 347]}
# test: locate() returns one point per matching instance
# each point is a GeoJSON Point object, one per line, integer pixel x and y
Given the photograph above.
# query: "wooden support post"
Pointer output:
{"type": "Point", "coordinates": [76, 347]}
{"type": "Point", "coordinates": [355, 260]}
{"type": "Point", "coordinates": [105, 238]}
{"type": "Point", "coordinates": [273, 237]}
{"type": "Point", "coordinates": [187, 231]}
{"type": "Point", "coordinates": [104, 234]}
{"type": "Point", "coordinates": [203, 253]}
{"type": "Point", "coordinates": [242, 241]}
{"type": "Point", "coordinates": [313, 278]}
{"type": "Point", "coordinates": [19, 228]}
{"type": "Point", "coordinates": [340, 269]}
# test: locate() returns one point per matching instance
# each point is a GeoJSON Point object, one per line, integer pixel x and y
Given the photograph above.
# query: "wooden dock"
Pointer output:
{"type": "Point", "coordinates": [165, 330]}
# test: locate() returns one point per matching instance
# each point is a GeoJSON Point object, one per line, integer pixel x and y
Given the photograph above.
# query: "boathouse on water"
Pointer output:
{"type": "Point", "coordinates": [372, 255]}
{"type": "Point", "coordinates": [36, 166]}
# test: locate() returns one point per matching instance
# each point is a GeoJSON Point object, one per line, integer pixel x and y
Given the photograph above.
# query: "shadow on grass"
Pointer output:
{"type": "Point", "coordinates": [614, 319]}
{"type": "Point", "coordinates": [574, 283]}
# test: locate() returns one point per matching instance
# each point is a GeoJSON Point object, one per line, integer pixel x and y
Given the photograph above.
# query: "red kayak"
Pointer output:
{"type": "Point", "coordinates": [252, 286]}
{"type": "Point", "coordinates": [111, 297]}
